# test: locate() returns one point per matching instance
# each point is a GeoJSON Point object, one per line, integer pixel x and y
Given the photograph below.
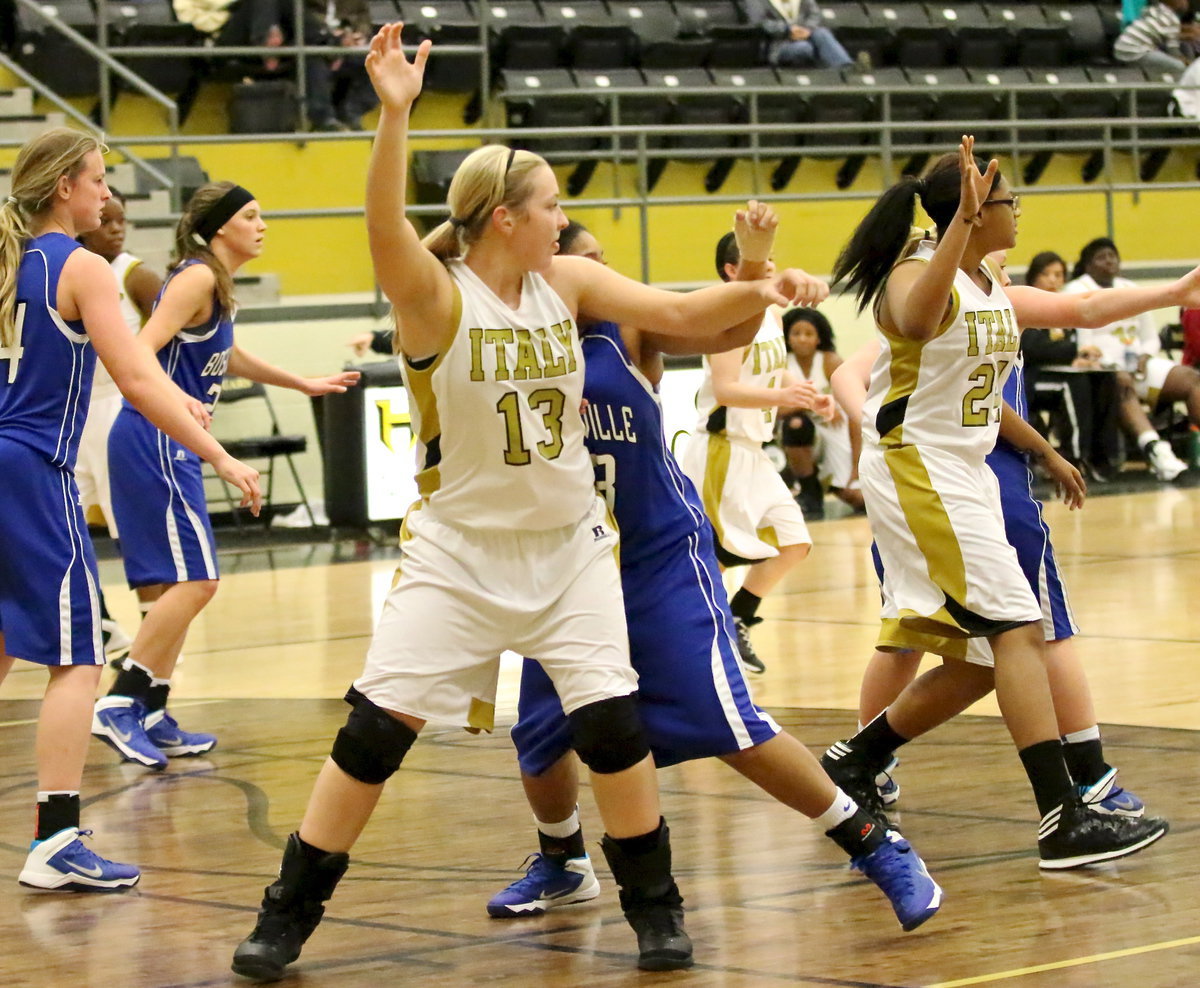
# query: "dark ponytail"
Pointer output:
{"type": "Point", "coordinates": [868, 257]}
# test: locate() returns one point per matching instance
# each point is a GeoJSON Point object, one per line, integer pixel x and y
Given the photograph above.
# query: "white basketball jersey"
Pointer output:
{"type": "Point", "coordinates": [763, 364]}
{"type": "Point", "coordinates": [103, 386]}
{"type": "Point", "coordinates": [497, 413]}
{"type": "Point", "coordinates": [818, 378]}
{"type": "Point", "coordinates": [946, 391]}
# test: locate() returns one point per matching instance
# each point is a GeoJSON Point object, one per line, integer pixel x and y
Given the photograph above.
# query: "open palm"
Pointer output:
{"type": "Point", "coordinates": [975, 185]}
{"type": "Point", "coordinates": [397, 81]}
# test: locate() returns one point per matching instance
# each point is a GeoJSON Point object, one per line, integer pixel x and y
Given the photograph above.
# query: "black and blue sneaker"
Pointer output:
{"type": "Point", "coordinates": [1073, 835]}
{"type": "Point", "coordinates": [1105, 796]}
{"type": "Point", "coordinates": [899, 871]}
{"type": "Point", "coordinates": [63, 863]}
{"type": "Point", "coordinates": [546, 885]}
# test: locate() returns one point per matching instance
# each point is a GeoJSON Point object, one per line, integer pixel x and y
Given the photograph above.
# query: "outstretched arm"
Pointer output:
{"type": "Point", "coordinates": [414, 281]}
{"type": "Point", "coordinates": [245, 364]}
{"type": "Point", "coordinates": [1060, 310]}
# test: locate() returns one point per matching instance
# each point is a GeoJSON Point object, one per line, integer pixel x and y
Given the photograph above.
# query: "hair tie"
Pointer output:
{"type": "Point", "coordinates": [457, 223]}
{"type": "Point", "coordinates": [922, 187]}
{"type": "Point", "coordinates": [220, 213]}
{"type": "Point", "coordinates": [12, 201]}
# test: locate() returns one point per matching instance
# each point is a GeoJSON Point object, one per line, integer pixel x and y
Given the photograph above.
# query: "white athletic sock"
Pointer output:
{"type": "Point", "coordinates": [560, 830]}
{"type": "Point", "coordinates": [842, 808]}
{"type": "Point", "coordinates": [1144, 439]}
{"type": "Point", "coordinates": [1087, 734]}
{"type": "Point", "coordinates": [43, 797]}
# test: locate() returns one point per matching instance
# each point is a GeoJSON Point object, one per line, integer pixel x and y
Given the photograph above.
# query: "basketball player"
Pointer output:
{"type": "Point", "coordinates": [949, 333]}
{"type": "Point", "coordinates": [692, 694]}
{"type": "Point", "coordinates": [56, 300]}
{"type": "Point", "coordinates": [509, 546]}
{"type": "Point", "coordinates": [138, 287]}
{"type": "Point", "coordinates": [158, 492]}
{"type": "Point", "coordinates": [756, 520]}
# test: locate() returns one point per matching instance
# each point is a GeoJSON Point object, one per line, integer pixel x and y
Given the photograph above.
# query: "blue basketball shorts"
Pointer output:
{"type": "Point", "coordinates": [49, 587]}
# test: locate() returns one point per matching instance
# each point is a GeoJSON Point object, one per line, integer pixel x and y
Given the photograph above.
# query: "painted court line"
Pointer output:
{"type": "Point", "coordinates": [984, 979]}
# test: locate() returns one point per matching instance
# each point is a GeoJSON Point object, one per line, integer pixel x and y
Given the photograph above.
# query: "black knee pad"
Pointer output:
{"type": "Point", "coordinates": [797, 430]}
{"type": "Point", "coordinates": [372, 744]}
{"type": "Point", "coordinates": [608, 735]}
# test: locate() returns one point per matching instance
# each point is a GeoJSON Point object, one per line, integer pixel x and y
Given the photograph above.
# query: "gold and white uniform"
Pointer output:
{"type": "Point", "coordinates": [509, 546]}
{"type": "Point", "coordinates": [91, 468]}
{"type": "Point", "coordinates": [834, 459]}
{"type": "Point", "coordinates": [931, 416]}
{"type": "Point", "coordinates": [747, 502]}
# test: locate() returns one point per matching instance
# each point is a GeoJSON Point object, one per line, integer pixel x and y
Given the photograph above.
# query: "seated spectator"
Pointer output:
{"type": "Point", "coordinates": [1132, 345]}
{"type": "Point", "coordinates": [800, 36]}
{"type": "Point", "coordinates": [818, 452]}
{"type": "Point", "coordinates": [338, 91]}
{"type": "Point", "coordinates": [1153, 41]}
{"type": "Point", "coordinates": [1083, 406]}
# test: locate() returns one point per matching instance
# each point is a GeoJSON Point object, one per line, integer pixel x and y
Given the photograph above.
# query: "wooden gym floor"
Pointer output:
{"type": "Point", "coordinates": [770, 901]}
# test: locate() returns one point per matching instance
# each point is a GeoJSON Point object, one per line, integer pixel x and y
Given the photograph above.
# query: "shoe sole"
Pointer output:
{"type": "Point", "coordinates": [125, 753]}
{"type": "Point", "coordinates": [929, 912]}
{"type": "Point", "coordinates": [1079, 861]}
{"type": "Point", "coordinates": [525, 910]}
{"type": "Point", "coordinates": [68, 884]}
{"type": "Point", "coordinates": [257, 970]}
{"type": "Point", "coordinates": [663, 962]}
{"type": "Point", "coordinates": [187, 750]}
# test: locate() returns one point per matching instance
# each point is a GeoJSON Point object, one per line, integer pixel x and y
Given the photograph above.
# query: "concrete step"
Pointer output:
{"type": "Point", "coordinates": [16, 103]}
{"type": "Point", "coordinates": [26, 126]}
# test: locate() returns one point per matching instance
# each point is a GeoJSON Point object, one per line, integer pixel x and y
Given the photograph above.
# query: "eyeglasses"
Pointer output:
{"type": "Point", "coordinates": [1015, 202]}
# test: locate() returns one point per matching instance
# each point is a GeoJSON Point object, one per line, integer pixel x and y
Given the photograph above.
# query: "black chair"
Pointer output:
{"type": "Point", "coordinates": [445, 22]}
{"type": "Point", "coordinates": [691, 105]}
{"type": "Point", "coordinates": [1039, 43]}
{"type": "Point", "coordinates": [51, 57]}
{"type": "Point", "coordinates": [383, 12]}
{"type": "Point", "coordinates": [432, 172]}
{"type": "Point", "coordinates": [600, 46]}
{"type": "Point", "coordinates": [979, 41]}
{"type": "Point", "coordinates": [845, 105]}
{"type": "Point", "coordinates": [661, 44]}
{"type": "Point", "coordinates": [919, 100]}
{"type": "Point", "coordinates": [921, 40]}
{"type": "Point", "coordinates": [1158, 103]}
{"type": "Point", "coordinates": [1087, 32]}
{"type": "Point", "coordinates": [1031, 105]}
{"type": "Point", "coordinates": [268, 446]}
{"type": "Point", "coordinates": [859, 30]}
{"type": "Point", "coordinates": [737, 46]}
{"type": "Point", "coordinates": [701, 16]}
{"type": "Point", "coordinates": [767, 101]}
{"type": "Point", "coordinates": [650, 112]}
{"type": "Point", "coordinates": [520, 37]}
{"type": "Point", "coordinates": [152, 23]}
{"type": "Point", "coordinates": [564, 105]}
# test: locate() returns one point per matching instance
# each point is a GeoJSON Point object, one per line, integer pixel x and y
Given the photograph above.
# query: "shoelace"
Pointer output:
{"type": "Point", "coordinates": [892, 869]}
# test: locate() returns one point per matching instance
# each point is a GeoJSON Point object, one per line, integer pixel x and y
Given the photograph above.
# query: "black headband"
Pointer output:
{"type": "Point", "coordinates": [221, 212]}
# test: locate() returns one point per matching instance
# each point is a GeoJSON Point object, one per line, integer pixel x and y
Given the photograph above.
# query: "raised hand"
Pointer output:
{"type": "Point", "coordinates": [975, 185]}
{"type": "Point", "coordinates": [333, 384]}
{"type": "Point", "coordinates": [754, 230]}
{"type": "Point", "coordinates": [397, 81]}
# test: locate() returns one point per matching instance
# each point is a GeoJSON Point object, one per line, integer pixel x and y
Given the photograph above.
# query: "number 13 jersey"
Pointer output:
{"type": "Point", "coordinates": [946, 391]}
{"type": "Point", "coordinates": [496, 414]}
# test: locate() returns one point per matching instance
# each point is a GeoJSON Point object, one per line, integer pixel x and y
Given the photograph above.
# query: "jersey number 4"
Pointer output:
{"type": "Point", "coordinates": [550, 402]}
{"type": "Point", "coordinates": [13, 352]}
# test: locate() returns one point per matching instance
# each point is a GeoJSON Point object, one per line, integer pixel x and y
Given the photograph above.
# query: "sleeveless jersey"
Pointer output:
{"type": "Point", "coordinates": [818, 379]}
{"type": "Point", "coordinates": [103, 386]}
{"type": "Point", "coordinates": [196, 358]}
{"type": "Point", "coordinates": [497, 413]}
{"type": "Point", "coordinates": [945, 391]}
{"type": "Point", "coordinates": [46, 372]}
{"type": "Point", "coordinates": [763, 363]}
{"type": "Point", "coordinates": [654, 504]}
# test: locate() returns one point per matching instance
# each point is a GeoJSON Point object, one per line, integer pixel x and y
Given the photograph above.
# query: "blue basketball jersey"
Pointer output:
{"type": "Point", "coordinates": [196, 358]}
{"type": "Point", "coordinates": [654, 504]}
{"type": "Point", "coordinates": [1014, 394]}
{"type": "Point", "coordinates": [46, 374]}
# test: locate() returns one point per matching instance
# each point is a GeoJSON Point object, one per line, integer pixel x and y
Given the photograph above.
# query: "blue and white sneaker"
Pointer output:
{"type": "Point", "coordinates": [65, 864]}
{"type": "Point", "coordinates": [546, 885]}
{"type": "Point", "coordinates": [174, 742]}
{"type": "Point", "coordinates": [899, 871]}
{"type": "Point", "coordinates": [1108, 797]}
{"type": "Point", "coordinates": [118, 721]}
{"type": "Point", "coordinates": [889, 788]}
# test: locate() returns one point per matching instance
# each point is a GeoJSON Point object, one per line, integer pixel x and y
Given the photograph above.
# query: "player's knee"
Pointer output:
{"type": "Point", "coordinates": [202, 590]}
{"type": "Point", "coordinates": [608, 735]}
{"type": "Point", "coordinates": [799, 430]}
{"type": "Point", "coordinates": [372, 744]}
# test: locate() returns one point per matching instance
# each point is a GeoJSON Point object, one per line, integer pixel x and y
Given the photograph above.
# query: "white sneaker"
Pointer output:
{"type": "Point", "coordinates": [1165, 464]}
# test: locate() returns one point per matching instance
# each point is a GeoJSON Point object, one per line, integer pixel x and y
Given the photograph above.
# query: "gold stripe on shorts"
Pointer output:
{"type": "Point", "coordinates": [929, 523]}
{"type": "Point", "coordinates": [716, 469]}
{"type": "Point", "coordinates": [893, 636]}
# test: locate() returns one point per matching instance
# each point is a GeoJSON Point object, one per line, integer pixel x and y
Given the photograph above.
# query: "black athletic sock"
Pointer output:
{"type": "Point", "coordinates": [156, 696]}
{"type": "Point", "coordinates": [859, 835]}
{"type": "Point", "coordinates": [877, 741]}
{"type": "Point", "coordinates": [559, 849]}
{"type": "Point", "coordinates": [1048, 775]}
{"type": "Point", "coordinates": [56, 811]}
{"type": "Point", "coordinates": [132, 681]}
{"type": "Point", "coordinates": [745, 605]}
{"type": "Point", "coordinates": [103, 606]}
{"type": "Point", "coordinates": [1085, 760]}
{"type": "Point", "coordinates": [642, 844]}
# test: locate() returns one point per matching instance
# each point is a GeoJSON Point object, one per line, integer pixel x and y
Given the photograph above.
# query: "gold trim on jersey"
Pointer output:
{"type": "Point", "coordinates": [945, 324]}
{"type": "Point", "coordinates": [420, 393]}
{"type": "Point", "coordinates": [716, 469]}
{"type": "Point", "coordinates": [904, 369]}
{"type": "Point", "coordinates": [894, 636]}
{"type": "Point", "coordinates": [937, 542]}
{"type": "Point", "coordinates": [769, 536]}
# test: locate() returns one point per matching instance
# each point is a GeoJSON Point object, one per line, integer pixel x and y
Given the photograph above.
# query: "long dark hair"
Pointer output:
{"type": "Point", "coordinates": [816, 319]}
{"type": "Point", "coordinates": [568, 235]}
{"type": "Point", "coordinates": [879, 241]}
{"type": "Point", "coordinates": [1039, 264]}
{"type": "Point", "coordinates": [1090, 250]}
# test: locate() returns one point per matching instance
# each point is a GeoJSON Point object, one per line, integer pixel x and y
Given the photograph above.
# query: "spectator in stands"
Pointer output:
{"type": "Point", "coordinates": [1153, 40]}
{"type": "Point", "coordinates": [1083, 406]}
{"type": "Point", "coordinates": [337, 89]}
{"type": "Point", "coordinates": [1133, 345]}
{"type": "Point", "coordinates": [817, 451]}
{"type": "Point", "coordinates": [799, 35]}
